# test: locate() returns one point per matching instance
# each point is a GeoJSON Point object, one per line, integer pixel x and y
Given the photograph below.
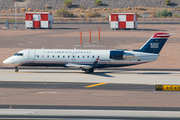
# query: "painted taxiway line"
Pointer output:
{"type": "Point", "coordinates": [95, 85]}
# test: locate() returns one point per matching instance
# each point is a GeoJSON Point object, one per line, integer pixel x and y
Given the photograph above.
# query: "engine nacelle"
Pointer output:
{"type": "Point", "coordinates": [128, 55]}
{"type": "Point", "coordinates": [120, 55]}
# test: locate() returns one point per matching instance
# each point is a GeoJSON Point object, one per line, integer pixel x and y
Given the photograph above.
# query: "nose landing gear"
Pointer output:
{"type": "Point", "coordinates": [16, 69]}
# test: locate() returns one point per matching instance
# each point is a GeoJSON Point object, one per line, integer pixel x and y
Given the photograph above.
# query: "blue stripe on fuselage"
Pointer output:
{"type": "Point", "coordinates": [63, 65]}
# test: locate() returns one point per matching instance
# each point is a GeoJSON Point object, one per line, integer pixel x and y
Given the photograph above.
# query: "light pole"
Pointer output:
{"type": "Point", "coordinates": [15, 17]}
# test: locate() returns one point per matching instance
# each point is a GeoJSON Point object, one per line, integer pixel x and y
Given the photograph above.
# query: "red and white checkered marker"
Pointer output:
{"type": "Point", "coordinates": [39, 19]}
{"type": "Point", "coordinates": [123, 20]}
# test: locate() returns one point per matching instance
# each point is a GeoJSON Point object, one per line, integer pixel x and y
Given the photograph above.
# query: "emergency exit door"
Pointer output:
{"type": "Point", "coordinates": [31, 55]}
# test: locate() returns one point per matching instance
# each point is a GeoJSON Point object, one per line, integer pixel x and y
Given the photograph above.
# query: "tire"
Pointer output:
{"type": "Point", "coordinates": [89, 70]}
{"type": "Point", "coordinates": [16, 70]}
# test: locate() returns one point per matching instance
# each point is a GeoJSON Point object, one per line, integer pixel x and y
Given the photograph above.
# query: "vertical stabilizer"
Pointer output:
{"type": "Point", "coordinates": [155, 43]}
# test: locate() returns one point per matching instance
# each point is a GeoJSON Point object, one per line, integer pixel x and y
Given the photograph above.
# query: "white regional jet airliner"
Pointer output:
{"type": "Point", "coordinates": [90, 59]}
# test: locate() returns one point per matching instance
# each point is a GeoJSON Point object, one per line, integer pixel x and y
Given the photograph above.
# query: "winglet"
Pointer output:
{"type": "Point", "coordinates": [97, 59]}
{"type": "Point", "coordinates": [95, 63]}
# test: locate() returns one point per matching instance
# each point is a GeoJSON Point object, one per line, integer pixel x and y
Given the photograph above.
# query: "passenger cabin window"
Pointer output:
{"type": "Point", "coordinates": [92, 56]}
{"type": "Point", "coordinates": [78, 56]}
{"type": "Point", "coordinates": [58, 56]}
{"type": "Point", "coordinates": [83, 56]}
{"type": "Point", "coordinates": [53, 56]}
{"type": "Point", "coordinates": [48, 56]}
{"type": "Point", "coordinates": [87, 56]}
{"type": "Point", "coordinates": [68, 56]}
{"type": "Point", "coordinates": [42, 56]}
{"type": "Point", "coordinates": [63, 56]}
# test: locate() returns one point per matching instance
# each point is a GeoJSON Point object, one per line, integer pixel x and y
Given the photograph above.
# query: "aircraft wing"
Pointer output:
{"type": "Point", "coordinates": [83, 66]}
{"type": "Point", "coordinates": [79, 66]}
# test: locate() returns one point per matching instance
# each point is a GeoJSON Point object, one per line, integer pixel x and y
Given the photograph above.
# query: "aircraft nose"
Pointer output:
{"type": "Point", "coordinates": [7, 61]}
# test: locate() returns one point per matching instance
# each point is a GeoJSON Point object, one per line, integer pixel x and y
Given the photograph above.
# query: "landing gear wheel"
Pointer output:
{"type": "Point", "coordinates": [16, 69]}
{"type": "Point", "coordinates": [89, 70]}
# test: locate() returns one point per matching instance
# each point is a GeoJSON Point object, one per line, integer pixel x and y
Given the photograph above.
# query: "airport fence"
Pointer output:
{"type": "Point", "coordinates": [21, 19]}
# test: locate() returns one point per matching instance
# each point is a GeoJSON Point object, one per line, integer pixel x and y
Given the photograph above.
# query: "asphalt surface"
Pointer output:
{"type": "Point", "coordinates": [63, 85]}
{"type": "Point", "coordinates": [89, 107]}
{"type": "Point", "coordinates": [86, 112]}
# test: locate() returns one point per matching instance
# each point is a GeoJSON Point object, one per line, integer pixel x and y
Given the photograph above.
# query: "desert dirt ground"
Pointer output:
{"type": "Point", "coordinates": [66, 36]}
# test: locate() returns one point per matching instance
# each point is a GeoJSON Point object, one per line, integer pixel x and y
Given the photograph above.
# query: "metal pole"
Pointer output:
{"type": "Point", "coordinates": [81, 37]}
{"type": "Point", "coordinates": [90, 36]}
{"type": "Point", "coordinates": [15, 17]}
{"type": "Point", "coordinates": [99, 29]}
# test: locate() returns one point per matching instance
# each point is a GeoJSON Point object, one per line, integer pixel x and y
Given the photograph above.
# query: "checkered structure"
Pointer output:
{"type": "Point", "coordinates": [39, 19]}
{"type": "Point", "coordinates": [123, 20]}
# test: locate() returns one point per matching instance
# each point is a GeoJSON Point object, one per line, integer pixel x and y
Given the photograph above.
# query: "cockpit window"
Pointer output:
{"type": "Point", "coordinates": [18, 54]}
{"type": "Point", "coordinates": [15, 54]}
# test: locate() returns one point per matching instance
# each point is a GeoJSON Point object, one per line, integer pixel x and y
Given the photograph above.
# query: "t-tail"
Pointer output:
{"type": "Point", "coordinates": [155, 43]}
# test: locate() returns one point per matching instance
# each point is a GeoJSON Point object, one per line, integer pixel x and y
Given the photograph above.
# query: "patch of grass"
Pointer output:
{"type": "Point", "coordinates": [164, 13]}
{"type": "Point", "coordinates": [80, 15]}
{"type": "Point", "coordinates": [92, 15]}
{"type": "Point", "coordinates": [47, 6]}
{"type": "Point", "coordinates": [64, 13]}
{"type": "Point", "coordinates": [167, 2]}
{"type": "Point", "coordinates": [98, 2]}
{"type": "Point", "coordinates": [3, 11]}
{"type": "Point", "coordinates": [23, 9]}
{"type": "Point", "coordinates": [139, 16]}
{"type": "Point", "coordinates": [36, 10]}
{"type": "Point", "coordinates": [81, 7]}
{"type": "Point", "coordinates": [67, 3]}
{"type": "Point", "coordinates": [129, 8]}
{"type": "Point", "coordinates": [175, 15]}
{"type": "Point", "coordinates": [140, 8]}
{"type": "Point", "coordinates": [153, 15]}
{"type": "Point", "coordinates": [30, 10]}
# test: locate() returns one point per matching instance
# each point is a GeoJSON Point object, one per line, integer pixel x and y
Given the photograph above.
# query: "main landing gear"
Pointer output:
{"type": "Point", "coordinates": [91, 70]}
{"type": "Point", "coordinates": [16, 69]}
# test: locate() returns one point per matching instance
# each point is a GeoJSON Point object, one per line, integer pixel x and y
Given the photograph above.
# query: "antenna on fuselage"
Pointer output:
{"type": "Point", "coordinates": [43, 48]}
{"type": "Point", "coordinates": [75, 48]}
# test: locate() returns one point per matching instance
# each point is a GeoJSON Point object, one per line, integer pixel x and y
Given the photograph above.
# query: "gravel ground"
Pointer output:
{"type": "Point", "coordinates": [66, 36]}
{"type": "Point", "coordinates": [56, 4]}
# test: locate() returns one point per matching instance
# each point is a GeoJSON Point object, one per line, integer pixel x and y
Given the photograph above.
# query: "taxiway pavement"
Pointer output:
{"type": "Point", "coordinates": [113, 94]}
{"type": "Point", "coordinates": [99, 76]}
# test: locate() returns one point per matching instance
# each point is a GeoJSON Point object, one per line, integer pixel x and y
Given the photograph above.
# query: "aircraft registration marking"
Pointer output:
{"type": "Point", "coordinates": [94, 85]}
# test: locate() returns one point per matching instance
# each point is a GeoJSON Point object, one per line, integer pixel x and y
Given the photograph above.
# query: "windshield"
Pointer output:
{"type": "Point", "coordinates": [18, 54]}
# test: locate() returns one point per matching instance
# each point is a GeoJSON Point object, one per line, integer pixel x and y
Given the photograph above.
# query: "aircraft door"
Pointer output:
{"type": "Point", "coordinates": [31, 55]}
{"type": "Point", "coordinates": [74, 55]}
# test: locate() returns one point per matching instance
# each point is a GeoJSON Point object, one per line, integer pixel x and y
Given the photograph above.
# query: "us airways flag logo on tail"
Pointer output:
{"type": "Point", "coordinates": [155, 43]}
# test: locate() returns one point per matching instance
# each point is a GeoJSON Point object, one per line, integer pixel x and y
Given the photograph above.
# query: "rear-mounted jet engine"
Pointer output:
{"type": "Point", "coordinates": [120, 55]}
